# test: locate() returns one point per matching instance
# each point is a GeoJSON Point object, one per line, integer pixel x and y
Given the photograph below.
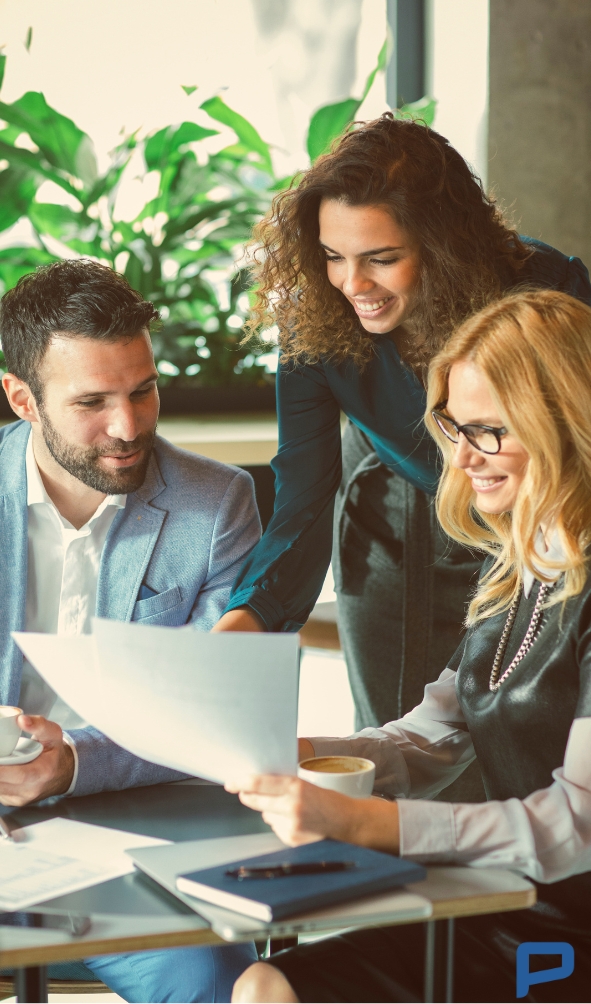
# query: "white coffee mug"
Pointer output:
{"type": "Point", "coordinates": [9, 730]}
{"type": "Point", "coordinates": [351, 775]}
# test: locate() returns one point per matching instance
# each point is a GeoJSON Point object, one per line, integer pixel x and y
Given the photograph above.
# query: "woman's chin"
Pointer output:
{"type": "Point", "coordinates": [380, 326]}
{"type": "Point", "coordinates": [490, 506]}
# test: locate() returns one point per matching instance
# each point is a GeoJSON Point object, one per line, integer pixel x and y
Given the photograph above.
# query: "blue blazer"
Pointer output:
{"type": "Point", "coordinates": [170, 557]}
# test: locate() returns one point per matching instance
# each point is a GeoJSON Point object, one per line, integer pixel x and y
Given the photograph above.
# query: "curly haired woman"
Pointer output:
{"type": "Point", "coordinates": [382, 249]}
{"type": "Point", "coordinates": [510, 408]}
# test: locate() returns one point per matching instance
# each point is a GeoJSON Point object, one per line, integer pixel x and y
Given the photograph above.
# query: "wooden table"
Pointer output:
{"type": "Point", "coordinates": [133, 913]}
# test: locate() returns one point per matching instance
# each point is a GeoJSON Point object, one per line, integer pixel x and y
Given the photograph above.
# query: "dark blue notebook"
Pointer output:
{"type": "Point", "coordinates": [270, 899]}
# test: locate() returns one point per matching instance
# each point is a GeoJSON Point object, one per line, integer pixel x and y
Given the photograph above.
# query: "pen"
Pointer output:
{"type": "Point", "coordinates": [301, 868]}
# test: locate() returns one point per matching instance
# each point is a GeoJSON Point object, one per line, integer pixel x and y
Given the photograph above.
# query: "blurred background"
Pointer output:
{"type": "Point", "coordinates": [171, 207]}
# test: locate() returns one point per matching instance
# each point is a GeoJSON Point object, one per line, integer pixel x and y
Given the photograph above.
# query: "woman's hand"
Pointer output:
{"type": "Point", "coordinates": [239, 620]}
{"type": "Point", "coordinates": [300, 813]}
{"type": "Point", "coordinates": [305, 750]}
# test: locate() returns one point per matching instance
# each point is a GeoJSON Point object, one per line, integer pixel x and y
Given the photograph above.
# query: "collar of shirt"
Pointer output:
{"type": "Point", "coordinates": [37, 495]}
{"type": "Point", "coordinates": [555, 552]}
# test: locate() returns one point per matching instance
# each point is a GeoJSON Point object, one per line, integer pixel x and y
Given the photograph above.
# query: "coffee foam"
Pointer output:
{"type": "Point", "coordinates": [336, 765]}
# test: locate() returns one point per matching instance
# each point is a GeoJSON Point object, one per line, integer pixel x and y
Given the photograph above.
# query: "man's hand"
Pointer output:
{"type": "Point", "coordinates": [300, 813]}
{"type": "Point", "coordinates": [50, 774]}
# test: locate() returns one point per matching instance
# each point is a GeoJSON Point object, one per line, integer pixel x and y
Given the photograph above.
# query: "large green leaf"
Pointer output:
{"type": "Point", "coordinates": [65, 224]}
{"type": "Point", "coordinates": [246, 133]}
{"type": "Point", "coordinates": [2, 67]}
{"type": "Point", "coordinates": [380, 66]}
{"type": "Point", "coordinates": [422, 110]}
{"type": "Point", "coordinates": [27, 161]}
{"type": "Point", "coordinates": [59, 139]}
{"type": "Point", "coordinates": [49, 218]}
{"type": "Point", "coordinates": [106, 183]}
{"type": "Point", "coordinates": [17, 190]}
{"type": "Point", "coordinates": [167, 141]}
{"type": "Point", "coordinates": [328, 123]}
{"type": "Point", "coordinates": [18, 261]}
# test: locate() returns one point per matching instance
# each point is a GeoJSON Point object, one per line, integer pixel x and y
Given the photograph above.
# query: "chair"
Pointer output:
{"type": "Point", "coordinates": [62, 978]}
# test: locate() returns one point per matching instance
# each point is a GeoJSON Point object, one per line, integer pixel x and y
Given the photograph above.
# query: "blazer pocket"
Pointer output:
{"type": "Point", "coordinates": [157, 604]}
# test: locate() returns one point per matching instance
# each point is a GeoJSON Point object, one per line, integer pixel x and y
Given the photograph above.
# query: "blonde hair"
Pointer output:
{"type": "Point", "coordinates": [534, 348]}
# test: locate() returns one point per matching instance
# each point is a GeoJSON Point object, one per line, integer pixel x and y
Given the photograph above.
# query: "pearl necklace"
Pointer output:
{"type": "Point", "coordinates": [526, 644]}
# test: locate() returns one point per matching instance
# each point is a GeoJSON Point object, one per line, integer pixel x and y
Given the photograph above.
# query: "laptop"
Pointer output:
{"type": "Point", "coordinates": [163, 865]}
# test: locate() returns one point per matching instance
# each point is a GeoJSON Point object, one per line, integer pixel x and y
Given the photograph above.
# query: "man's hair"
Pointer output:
{"type": "Point", "coordinates": [77, 298]}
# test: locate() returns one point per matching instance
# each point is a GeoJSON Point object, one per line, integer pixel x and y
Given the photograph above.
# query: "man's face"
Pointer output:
{"type": "Point", "coordinates": [99, 409]}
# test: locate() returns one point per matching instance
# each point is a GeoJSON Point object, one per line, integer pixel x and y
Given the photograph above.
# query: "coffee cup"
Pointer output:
{"type": "Point", "coordinates": [351, 775]}
{"type": "Point", "coordinates": [9, 730]}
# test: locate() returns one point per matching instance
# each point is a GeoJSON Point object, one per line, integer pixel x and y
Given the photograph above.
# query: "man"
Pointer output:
{"type": "Point", "coordinates": [100, 515]}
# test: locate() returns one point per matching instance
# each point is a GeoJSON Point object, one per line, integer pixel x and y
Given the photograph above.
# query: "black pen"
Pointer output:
{"type": "Point", "coordinates": [300, 868]}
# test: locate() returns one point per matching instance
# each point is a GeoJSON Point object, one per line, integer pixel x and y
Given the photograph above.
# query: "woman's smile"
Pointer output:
{"type": "Point", "coordinates": [371, 308]}
{"type": "Point", "coordinates": [481, 484]}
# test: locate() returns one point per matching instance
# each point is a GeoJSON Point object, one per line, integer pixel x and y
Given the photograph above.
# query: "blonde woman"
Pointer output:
{"type": "Point", "coordinates": [509, 405]}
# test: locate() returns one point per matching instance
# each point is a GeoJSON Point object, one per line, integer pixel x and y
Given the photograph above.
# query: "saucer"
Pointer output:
{"type": "Point", "coordinates": [25, 751]}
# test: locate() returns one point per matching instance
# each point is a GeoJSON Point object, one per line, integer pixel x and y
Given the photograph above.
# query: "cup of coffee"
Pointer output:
{"type": "Point", "coordinates": [351, 775]}
{"type": "Point", "coordinates": [9, 730]}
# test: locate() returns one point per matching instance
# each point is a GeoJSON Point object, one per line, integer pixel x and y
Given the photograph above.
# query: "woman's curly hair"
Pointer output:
{"type": "Point", "coordinates": [469, 256]}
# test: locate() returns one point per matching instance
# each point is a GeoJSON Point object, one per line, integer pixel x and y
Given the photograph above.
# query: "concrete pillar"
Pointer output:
{"type": "Point", "coordinates": [540, 118]}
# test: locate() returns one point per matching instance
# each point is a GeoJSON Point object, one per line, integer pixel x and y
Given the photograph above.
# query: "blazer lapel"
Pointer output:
{"type": "Point", "coordinates": [13, 558]}
{"type": "Point", "coordinates": [128, 548]}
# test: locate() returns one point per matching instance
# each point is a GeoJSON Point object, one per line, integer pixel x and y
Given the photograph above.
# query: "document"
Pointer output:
{"type": "Point", "coordinates": [59, 856]}
{"type": "Point", "coordinates": [217, 706]}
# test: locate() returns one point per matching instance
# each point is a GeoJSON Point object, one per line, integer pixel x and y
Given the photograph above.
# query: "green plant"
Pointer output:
{"type": "Point", "coordinates": [183, 249]}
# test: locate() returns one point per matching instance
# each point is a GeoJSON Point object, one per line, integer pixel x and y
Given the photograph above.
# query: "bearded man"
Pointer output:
{"type": "Point", "coordinates": [100, 515]}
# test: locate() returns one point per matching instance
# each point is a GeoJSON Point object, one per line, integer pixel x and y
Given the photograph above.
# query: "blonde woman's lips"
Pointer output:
{"type": "Point", "coordinates": [484, 485]}
{"type": "Point", "coordinates": [372, 308]}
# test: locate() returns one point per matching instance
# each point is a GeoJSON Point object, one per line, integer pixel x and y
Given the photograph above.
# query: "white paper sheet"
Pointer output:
{"type": "Point", "coordinates": [218, 706]}
{"type": "Point", "coordinates": [60, 856]}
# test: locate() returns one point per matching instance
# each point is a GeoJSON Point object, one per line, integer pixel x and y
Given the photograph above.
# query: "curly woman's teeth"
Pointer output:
{"type": "Point", "coordinates": [367, 307]}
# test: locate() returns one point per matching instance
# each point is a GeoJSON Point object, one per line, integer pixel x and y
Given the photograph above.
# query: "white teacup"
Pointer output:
{"type": "Point", "coordinates": [351, 775]}
{"type": "Point", "coordinates": [9, 730]}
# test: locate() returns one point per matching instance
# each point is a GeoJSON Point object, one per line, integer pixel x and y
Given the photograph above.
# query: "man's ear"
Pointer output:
{"type": "Point", "coordinates": [20, 398]}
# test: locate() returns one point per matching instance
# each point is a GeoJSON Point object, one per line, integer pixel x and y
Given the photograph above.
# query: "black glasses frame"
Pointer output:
{"type": "Point", "coordinates": [469, 431]}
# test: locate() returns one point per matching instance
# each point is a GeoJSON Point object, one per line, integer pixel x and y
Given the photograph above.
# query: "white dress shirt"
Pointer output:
{"type": "Point", "coordinates": [63, 569]}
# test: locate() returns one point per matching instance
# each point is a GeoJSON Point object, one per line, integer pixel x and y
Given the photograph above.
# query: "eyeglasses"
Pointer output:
{"type": "Point", "coordinates": [485, 438]}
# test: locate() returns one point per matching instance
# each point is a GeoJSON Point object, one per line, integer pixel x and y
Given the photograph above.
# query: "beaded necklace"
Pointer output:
{"type": "Point", "coordinates": [526, 644]}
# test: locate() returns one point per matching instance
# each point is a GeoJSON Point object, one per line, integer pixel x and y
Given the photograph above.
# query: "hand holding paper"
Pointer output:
{"type": "Point", "coordinates": [218, 706]}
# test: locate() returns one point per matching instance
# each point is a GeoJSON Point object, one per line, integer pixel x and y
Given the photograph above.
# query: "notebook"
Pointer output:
{"type": "Point", "coordinates": [164, 864]}
{"type": "Point", "coordinates": [270, 899]}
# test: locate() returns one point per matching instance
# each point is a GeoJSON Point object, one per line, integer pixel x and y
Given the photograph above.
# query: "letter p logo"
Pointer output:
{"type": "Point", "coordinates": [526, 979]}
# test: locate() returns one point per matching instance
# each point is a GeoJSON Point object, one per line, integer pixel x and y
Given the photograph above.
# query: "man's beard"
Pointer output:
{"type": "Point", "coordinates": [82, 462]}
